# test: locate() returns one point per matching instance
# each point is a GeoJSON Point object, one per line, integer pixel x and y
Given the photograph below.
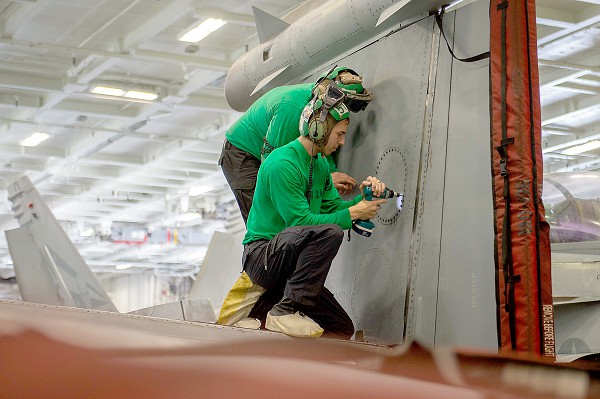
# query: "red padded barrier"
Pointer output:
{"type": "Point", "coordinates": [523, 268]}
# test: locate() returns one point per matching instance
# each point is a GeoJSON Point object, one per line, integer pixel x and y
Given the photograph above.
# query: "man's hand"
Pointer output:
{"type": "Point", "coordinates": [365, 210]}
{"type": "Point", "coordinates": [376, 185]}
{"type": "Point", "coordinates": [343, 182]}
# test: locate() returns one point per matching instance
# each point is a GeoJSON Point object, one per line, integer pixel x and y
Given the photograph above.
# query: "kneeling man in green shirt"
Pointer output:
{"type": "Point", "coordinates": [295, 226]}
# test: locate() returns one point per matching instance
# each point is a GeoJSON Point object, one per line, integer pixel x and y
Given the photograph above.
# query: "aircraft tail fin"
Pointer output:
{"type": "Point", "coordinates": [267, 25]}
{"type": "Point", "coordinates": [48, 267]}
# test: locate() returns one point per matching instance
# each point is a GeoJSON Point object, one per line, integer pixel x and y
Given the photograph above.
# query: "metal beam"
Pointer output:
{"type": "Point", "coordinates": [133, 55]}
{"type": "Point", "coordinates": [169, 13]}
{"type": "Point", "coordinates": [581, 166]}
{"type": "Point", "coordinates": [32, 152]}
{"type": "Point", "coordinates": [553, 17]}
{"type": "Point", "coordinates": [570, 66]}
{"type": "Point", "coordinates": [568, 109]}
{"type": "Point", "coordinates": [31, 81]}
{"type": "Point", "coordinates": [114, 159]}
{"type": "Point", "coordinates": [589, 1]}
{"type": "Point", "coordinates": [21, 16]}
{"type": "Point", "coordinates": [579, 88]}
{"type": "Point", "coordinates": [557, 37]}
{"type": "Point", "coordinates": [571, 143]}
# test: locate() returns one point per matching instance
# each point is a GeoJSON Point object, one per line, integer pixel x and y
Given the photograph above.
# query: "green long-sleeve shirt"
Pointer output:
{"type": "Point", "coordinates": [280, 199]}
{"type": "Point", "coordinates": [275, 116]}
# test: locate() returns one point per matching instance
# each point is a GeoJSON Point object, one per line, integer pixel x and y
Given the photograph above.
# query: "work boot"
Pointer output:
{"type": "Point", "coordinates": [239, 301]}
{"type": "Point", "coordinates": [285, 319]}
{"type": "Point", "coordinates": [248, 323]}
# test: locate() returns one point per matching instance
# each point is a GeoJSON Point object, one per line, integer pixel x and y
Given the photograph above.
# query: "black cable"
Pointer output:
{"type": "Point", "coordinates": [479, 57]}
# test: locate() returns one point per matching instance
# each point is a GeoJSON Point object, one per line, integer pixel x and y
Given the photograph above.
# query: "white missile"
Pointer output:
{"type": "Point", "coordinates": [290, 51]}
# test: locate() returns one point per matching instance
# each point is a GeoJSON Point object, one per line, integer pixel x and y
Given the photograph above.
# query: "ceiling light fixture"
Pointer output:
{"type": "Point", "coordinates": [199, 31]}
{"type": "Point", "coordinates": [108, 91]}
{"type": "Point", "coordinates": [118, 92]}
{"type": "Point", "coordinates": [578, 149]}
{"type": "Point", "coordinates": [35, 139]}
{"type": "Point", "coordinates": [141, 95]}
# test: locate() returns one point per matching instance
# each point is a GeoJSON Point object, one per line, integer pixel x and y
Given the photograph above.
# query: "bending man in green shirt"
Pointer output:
{"type": "Point", "coordinates": [295, 229]}
{"type": "Point", "coordinates": [271, 122]}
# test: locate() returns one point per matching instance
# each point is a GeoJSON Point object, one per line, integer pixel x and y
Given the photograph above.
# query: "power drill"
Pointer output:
{"type": "Point", "coordinates": [365, 227]}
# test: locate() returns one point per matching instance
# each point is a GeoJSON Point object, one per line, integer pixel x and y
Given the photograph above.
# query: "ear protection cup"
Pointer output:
{"type": "Point", "coordinates": [310, 126]}
{"type": "Point", "coordinates": [316, 129]}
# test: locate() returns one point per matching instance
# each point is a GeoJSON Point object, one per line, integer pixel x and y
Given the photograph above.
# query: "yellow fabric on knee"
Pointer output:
{"type": "Point", "coordinates": [239, 301]}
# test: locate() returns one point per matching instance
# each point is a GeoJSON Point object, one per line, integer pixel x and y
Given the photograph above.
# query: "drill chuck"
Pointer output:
{"type": "Point", "coordinates": [389, 194]}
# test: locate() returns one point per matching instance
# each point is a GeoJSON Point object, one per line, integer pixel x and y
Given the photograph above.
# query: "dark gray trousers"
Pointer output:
{"type": "Point", "coordinates": [295, 263]}
{"type": "Point", "coordinates": [240, 169]}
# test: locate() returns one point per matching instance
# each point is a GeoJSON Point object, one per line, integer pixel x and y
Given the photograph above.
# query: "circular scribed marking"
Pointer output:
{"type": "Point", "coordinates": [371, 290]}
{"type": "Point", "coordinates": [391, 169]}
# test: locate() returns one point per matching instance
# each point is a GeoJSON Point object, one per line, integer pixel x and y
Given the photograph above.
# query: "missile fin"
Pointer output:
{"type": "Point", "coordinates": [391, 10]}
{"type": "Point", "coordinates": [268, 79]}
{"type": "Point", "coordinates": [267, 25]}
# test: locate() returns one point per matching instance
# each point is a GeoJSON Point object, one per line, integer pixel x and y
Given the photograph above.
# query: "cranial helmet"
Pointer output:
{"type": "Point", "coordinates": [350, 82]}
{"type": "Point", "coordinates": [323, 112]}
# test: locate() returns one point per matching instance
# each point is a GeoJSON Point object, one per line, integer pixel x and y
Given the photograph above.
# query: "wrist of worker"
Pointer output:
{"type": "Point", "coordinates": [354, 213]}
{"type": "Point", "coordinates": [355, 210]}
